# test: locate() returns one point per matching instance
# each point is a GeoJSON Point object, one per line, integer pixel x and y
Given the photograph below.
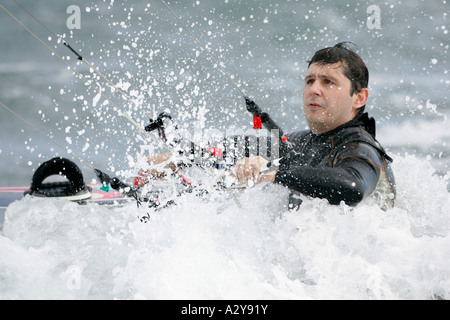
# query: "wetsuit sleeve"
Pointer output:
{"type": "Point", "coordinates": [353, 176]}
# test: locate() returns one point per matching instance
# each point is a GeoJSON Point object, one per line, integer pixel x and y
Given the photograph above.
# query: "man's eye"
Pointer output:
{"type": "Point", "coordinates": [309, 81]}
{"type": "Point", "coordinates": [327, 81]}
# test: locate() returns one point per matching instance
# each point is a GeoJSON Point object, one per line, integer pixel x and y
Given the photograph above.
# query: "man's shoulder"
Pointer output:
{"type": "Point", "coordinates": [357, 136]}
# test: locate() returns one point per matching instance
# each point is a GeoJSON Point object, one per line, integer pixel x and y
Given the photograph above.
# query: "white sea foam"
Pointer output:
{"type": "Point", "coordinates": [199, 249]}
{"type": "Point", "coordinates": [53, 249]}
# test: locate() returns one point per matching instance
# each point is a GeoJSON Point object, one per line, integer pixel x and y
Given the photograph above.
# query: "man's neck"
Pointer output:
{"type": "Point", "coordinates": [318, 130]}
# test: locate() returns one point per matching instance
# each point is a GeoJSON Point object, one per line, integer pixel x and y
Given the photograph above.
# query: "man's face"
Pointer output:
{"type": "Point", "coordinates": [327, 102]}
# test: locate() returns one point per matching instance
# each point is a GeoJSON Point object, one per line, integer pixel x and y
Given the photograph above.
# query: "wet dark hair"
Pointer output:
{"type": "Point", "coordinates": [354, 67]}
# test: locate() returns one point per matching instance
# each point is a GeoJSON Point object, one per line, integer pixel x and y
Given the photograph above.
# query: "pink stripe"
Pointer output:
{"type": "Point", "coordinates": [13, 189]}
{"type": "Point", "coordinates": [106, 195]}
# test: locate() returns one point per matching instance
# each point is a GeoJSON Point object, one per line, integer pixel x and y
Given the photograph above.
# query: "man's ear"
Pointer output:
{"type": "Point", "coordinates": [361, 98]}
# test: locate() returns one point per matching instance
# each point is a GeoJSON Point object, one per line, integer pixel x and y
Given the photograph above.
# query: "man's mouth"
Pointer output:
{"type": "Point", "coordinates": [313, 105]}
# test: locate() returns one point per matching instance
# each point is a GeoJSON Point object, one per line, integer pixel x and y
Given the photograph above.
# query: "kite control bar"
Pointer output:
{"type": "Point", "coordinates": [261, 118]}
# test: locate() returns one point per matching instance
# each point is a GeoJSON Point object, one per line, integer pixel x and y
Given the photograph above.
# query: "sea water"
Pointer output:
{"type": "Point", "coordinates": [198, 249]}
{"type": "Point", "coordinates": [213, 248]}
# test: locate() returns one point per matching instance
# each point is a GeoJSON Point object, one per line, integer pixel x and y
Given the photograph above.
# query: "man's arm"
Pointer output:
{"type": "Point", "coordinates": [353, 176]}
{"type": "Point", "coordinates": [350, 181]}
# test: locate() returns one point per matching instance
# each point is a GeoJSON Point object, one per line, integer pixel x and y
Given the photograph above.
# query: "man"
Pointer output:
{"type": "Point", "coordinates": [338, 158]}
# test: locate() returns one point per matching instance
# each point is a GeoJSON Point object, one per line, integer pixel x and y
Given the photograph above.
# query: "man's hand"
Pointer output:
{"type": "Point", "coordinates": [247, 171]}
{"type": "Point", "coordinates": [158, 159]}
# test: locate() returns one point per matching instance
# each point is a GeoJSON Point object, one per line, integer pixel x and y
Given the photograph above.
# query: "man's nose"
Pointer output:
{"type": "Point", "coordinates": [315, 89]}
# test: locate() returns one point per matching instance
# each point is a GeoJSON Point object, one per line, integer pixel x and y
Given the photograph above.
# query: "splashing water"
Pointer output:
{"type": "Point", "coordinates": [54, 249]}
{"type": "Point", "coordinates": [210, 248]}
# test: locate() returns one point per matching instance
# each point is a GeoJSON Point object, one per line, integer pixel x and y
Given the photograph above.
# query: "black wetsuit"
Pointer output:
{"type": "Point", "coordinates": [345, 164]}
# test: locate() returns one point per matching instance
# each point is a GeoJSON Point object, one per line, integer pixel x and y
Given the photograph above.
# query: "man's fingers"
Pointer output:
{"type": "Point", "coordinates": [247, 171]}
